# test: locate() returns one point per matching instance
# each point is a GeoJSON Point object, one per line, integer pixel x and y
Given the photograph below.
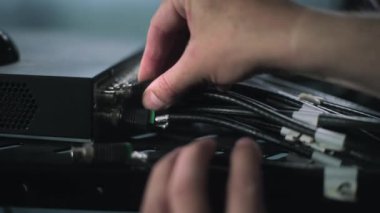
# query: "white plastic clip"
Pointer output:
{"type": "Point", "coordinates": [310, 108]}
{"type": "Point", "coordinates": [306, 139]}
{"type": "Point", "coordinates": [289, 134]}
{"type": "Point", "coordinates": [330, 139]}
{"type": "Point", "coordinates": [326, 159]}
{"type": "Point", "coordinates": [307, 117]}
{"type": "Point", "coordinates": [310, 98]}
{"type": "Point", "coordinates": [340, 183]}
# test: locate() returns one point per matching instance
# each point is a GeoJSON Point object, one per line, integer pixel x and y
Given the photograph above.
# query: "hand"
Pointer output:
{"type": "Point", "coordinates": [178, 181]}
{"type": "Point", "coordinates": [219, 42]}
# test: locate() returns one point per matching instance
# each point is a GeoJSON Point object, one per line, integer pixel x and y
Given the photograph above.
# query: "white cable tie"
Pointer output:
{"type": "Point", "coordinates": [306, 139]}
{"type": "Point", "coordinates": [286, 131]}
{"type": "Point", "coordinates": [307, 117]}
{"type": "Point", "coordinates": [289, 134]}
{"type": "Point", "coordinates": [290, 138]}
{"type": "Point", "coordinates": [326, 160]}
{"type": "Point", "coordinates": [340, 183]}
{"type": "Point", "coordinates": [316, 147]}
{"type": "Point", "coordinates": [309, 141]}
{"type": "Point", "coordinates": [310, 98]}
{"type": "Point", "coordinates": [310, 108]}
{"type": "Point", "coordinates": [329, 139]}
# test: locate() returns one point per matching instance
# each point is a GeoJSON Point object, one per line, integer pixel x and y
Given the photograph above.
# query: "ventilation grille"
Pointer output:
{"type": "Point", "coordinates": [17, 106]}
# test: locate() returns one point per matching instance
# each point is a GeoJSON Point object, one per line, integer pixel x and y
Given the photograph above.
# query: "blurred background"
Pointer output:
{"type": "Point", "coordinates": [100, 18]}
{"type": "Point", "coordinates": [116, 17]}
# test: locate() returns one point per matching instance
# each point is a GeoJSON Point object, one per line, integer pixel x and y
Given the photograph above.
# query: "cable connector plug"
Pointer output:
{"type": "Point", "coordinates": [138, 117]}
{"type": "Point", "coordinates": [126, 92]}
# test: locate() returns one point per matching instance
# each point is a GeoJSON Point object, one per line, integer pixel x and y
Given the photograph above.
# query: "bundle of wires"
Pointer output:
{"type": "Point", "coordinates": [308, 125]}
{"type": "Point", "coordinates": [305, 125]}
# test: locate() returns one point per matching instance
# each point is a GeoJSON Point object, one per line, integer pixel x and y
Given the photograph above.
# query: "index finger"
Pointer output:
{"type": "Point", "coordinates": [164, 31]}
{"type": "Point", "coordinates": [244, 184]}
{"type": "Point", "coordinates": [155, 199]}
{"type": "Point", "coordinates": [187, 187]}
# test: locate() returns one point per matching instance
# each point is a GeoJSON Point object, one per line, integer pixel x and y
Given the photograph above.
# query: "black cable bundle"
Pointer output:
{"type": "Point", "coordinates": [263, 114]}
{"type": "Point", "coordinates": [303, 124]}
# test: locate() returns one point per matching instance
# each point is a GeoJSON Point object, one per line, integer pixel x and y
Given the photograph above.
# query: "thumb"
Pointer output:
{"type": "Point", "coordinates": [186, 73]}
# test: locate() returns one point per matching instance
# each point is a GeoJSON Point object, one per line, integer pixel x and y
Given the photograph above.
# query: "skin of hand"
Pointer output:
{"type": "Point", "coordinates": [191, 42]}
{"type": "Point", "coordinates": [339, 47]}
{"type": "Point", "coordinates": [178, 181]}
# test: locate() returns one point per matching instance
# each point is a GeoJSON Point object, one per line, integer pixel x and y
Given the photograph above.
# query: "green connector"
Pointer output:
{"type": "Point", "coordinates": [152, 117]}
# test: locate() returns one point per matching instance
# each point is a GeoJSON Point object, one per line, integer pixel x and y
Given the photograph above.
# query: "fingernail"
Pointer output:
{"type": "Point", "coordinates": [245, 141]}
{"type": "Point", "coordinates": [248, 143]}
{"type": "Point", "coordinates": [151, 101]}
{"type": "Point", "coordinates": [206, 137]}
{"type": "Point", "coordinates": [208, 142]}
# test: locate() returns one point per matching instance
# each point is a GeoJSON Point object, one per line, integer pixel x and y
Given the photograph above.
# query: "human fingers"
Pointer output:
{"type": "Point", "coordinates": [186, 73]}
{"type": "Point", "coordinates": [155, 199]}
{"type": "Point", "coordinates": [187, 187]}
{"type": "Point", "coordinates": [166, 34]}
{"type": "Point", "coordinates": [244, 184]}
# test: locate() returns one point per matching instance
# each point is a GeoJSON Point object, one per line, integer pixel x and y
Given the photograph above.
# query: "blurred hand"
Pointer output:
{"type": "Point", "coordinates": [195, 41]}
{"type": "Point", "coordinates": [178, 181]}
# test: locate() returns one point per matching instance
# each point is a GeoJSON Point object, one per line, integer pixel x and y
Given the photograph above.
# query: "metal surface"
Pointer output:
{"type": "Point", "coordinates": [67, 54]}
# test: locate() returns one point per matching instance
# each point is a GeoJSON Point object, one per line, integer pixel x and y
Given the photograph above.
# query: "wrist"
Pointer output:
{"type": "Point", "coordinates": [280, 48]}
{"type": "Point", "coordinates": [319, 40]}
{"type": "Point", "coordinates": [340, 46]}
